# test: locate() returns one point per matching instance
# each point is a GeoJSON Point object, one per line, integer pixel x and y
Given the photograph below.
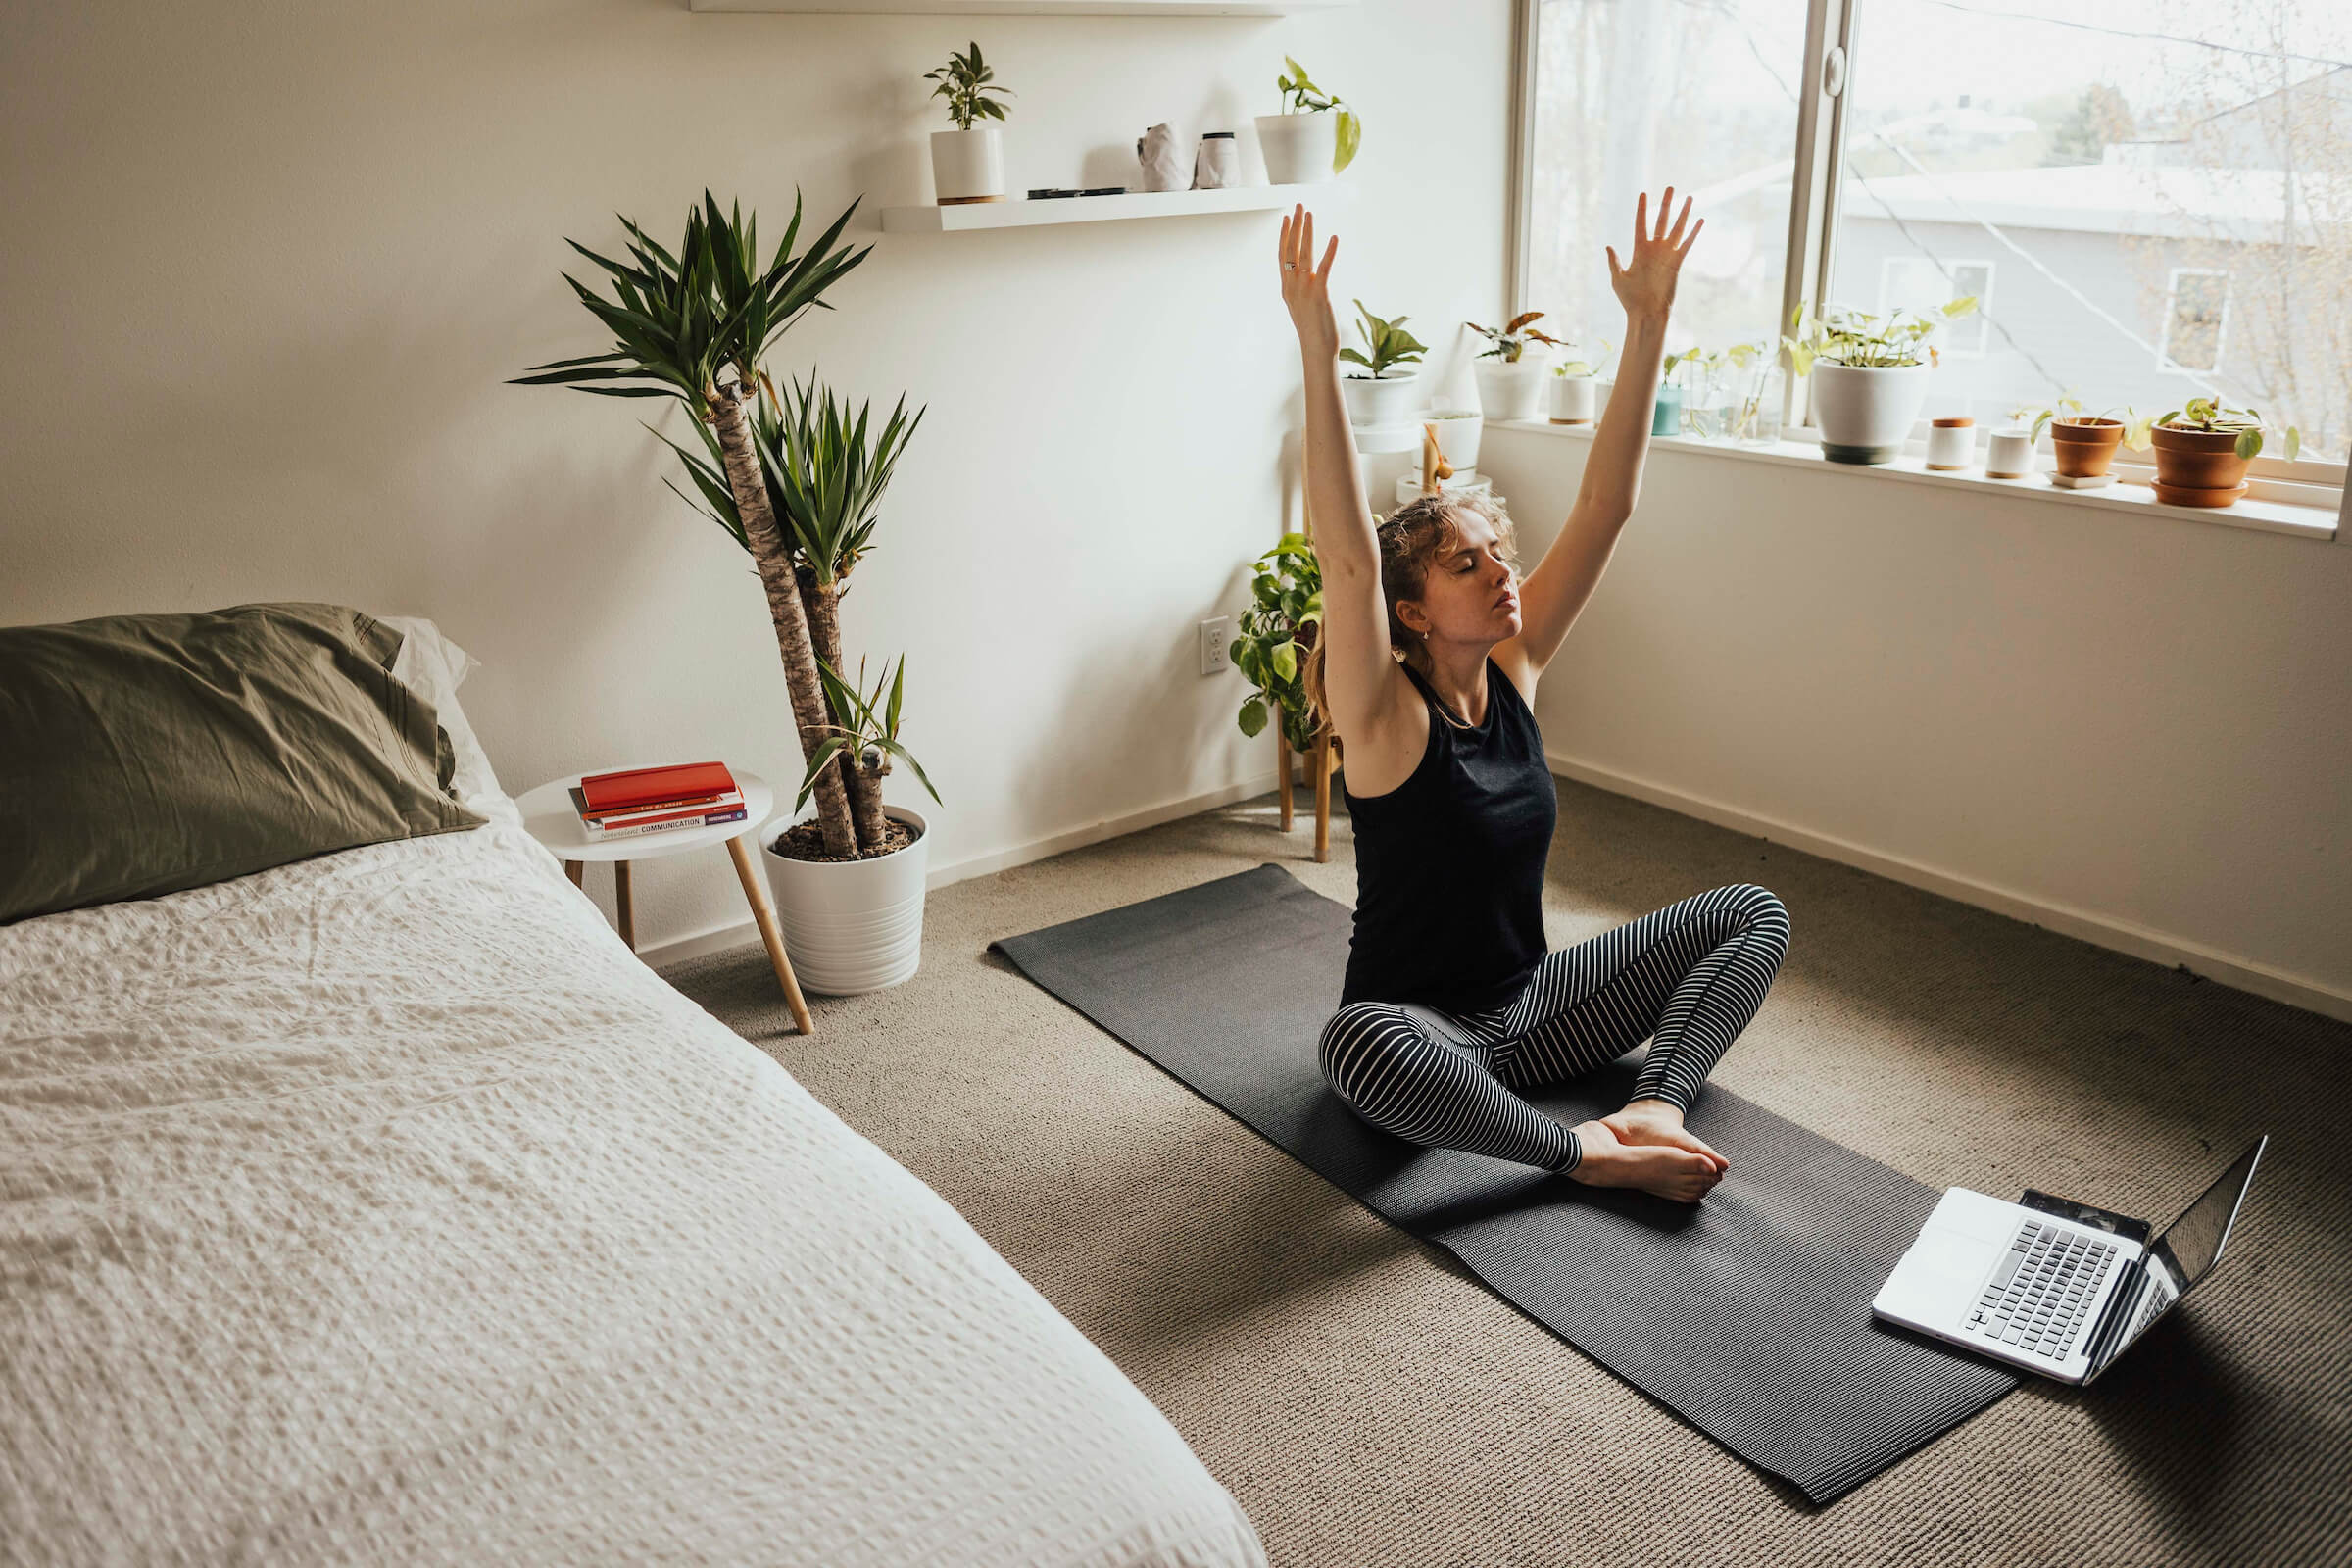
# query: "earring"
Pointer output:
{"type": "Point", "coordinates": [1397, 653]}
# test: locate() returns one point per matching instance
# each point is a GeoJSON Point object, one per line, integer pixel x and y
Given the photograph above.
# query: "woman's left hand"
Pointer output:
{"type": "Point", "coordinates": [1644, 285]}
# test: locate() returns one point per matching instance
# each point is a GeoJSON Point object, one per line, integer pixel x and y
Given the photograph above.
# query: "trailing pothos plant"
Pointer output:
{"type": "Point", "coordinates": [1284, 619]}
{"type": "Point", "coordinates": [1300, 96]}
{"type": "Point", "coordinates": [1842, 335]}
{"type": "Point", "coordinates": [965, 83]}
{"type": "Point", "coordinates": [1389, 343]}
{"type": "Point", "coordinates": [1511, 342]}
{"type": "Point", "coordinates": [2212, 414]}
{"type": "Point", "coordinates": [693, 324]}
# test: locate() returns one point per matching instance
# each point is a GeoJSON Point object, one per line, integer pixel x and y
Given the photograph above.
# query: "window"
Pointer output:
{"type": "Point", "coordinates": [2161, 186]}
{"type": "Point", "coordinates": [1921, 286]}
{"type": "Point", "coordinates": [2196, 311]}
{"type": "Point", "coordinates": [1635, 97]}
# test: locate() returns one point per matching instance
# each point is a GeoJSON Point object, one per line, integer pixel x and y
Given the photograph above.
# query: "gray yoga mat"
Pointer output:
{"type": "Point", "coordinates": [1748, 1314]}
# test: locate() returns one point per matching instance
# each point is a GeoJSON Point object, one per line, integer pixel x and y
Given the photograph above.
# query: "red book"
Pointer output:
{"type": "Point", "coordinates": [649, 786]}
{"type": "Point", "coordinates": [709, 802]}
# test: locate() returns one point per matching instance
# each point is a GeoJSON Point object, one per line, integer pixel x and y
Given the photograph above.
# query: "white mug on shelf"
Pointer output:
{"type": "Point", "coordinates": [1952, 442]}
{"type": "Point", "coordinates": [2009, 455]}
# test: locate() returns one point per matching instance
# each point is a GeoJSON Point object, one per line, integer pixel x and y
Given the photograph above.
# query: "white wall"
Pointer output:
{"type": "Point", "coordinates": [2129, 727]}
{"type": "Point", "coordinates": [268, 265]}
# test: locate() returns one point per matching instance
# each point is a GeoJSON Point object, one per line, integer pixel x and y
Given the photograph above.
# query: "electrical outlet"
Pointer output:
{"type": "Point", "coordinates": [1214, 635]}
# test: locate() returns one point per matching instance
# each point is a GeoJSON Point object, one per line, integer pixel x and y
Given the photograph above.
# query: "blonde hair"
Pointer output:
{"type": "Point", "coordinates": [1415, 536]}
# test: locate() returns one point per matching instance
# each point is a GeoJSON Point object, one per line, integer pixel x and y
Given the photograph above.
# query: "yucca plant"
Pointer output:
{"type": "Point", "coordinates": [867, 731]}
{"type": "Point", "coordinates": [824, 473]}
{"type": "Point", "coordinates": [681, 321]}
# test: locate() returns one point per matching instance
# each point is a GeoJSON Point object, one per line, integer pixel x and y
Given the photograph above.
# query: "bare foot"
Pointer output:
{"type": "Point", "coordinates": [1655, 1121]}
{"type": "Point", "coordinates": [1682, 1174]}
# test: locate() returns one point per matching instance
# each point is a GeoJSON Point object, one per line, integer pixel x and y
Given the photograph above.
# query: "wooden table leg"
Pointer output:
{"type": "Point", "coordinates": [1320, 764]}
{"type": "Point", "coordinates": [628, 904]}
{"type": "Point", "coordinates": [1282, 771]}
{"type": "Point", "coordinates": [572, 869]}
{"type": "Point", "coordinates": [756, 896]}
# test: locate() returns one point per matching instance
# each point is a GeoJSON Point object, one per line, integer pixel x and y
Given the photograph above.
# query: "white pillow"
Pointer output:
{"type": "Point", "coordinates": [432, 667]}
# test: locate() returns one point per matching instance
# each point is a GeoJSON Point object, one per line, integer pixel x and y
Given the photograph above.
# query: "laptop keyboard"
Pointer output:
{"type": "Point", "coordinates": [2046, 1284]}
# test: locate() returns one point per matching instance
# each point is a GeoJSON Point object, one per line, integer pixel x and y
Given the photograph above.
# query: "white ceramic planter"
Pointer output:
{"type": "Point", "coordinates": [968, 166]}
{"type": "Point", "coordinates": [1298, 149]}
{"type": "Point", "coordinates": [1390, 399]}
{"type": "Point", "coordinates": [1512, 391]}
{"type": "Point", "coordinates": [1458, 430]}
{"type": "Point", "coordinates": [1952, 443]}
{"type": "Point", "coordinates": [1865, 412]}
{"type": "Point", "coordinates": [2009, 455]}
{"type": "Point", "coordinates": [1574, 398]}
{"type": "Point", "coordinates": [852, 925]}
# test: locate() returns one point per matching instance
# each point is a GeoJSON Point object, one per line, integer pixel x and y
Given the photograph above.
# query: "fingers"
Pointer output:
{"type": "Point", "coordinates": [1616, 268]}
{"type": "Point", "coordinates": [1306, 241]}
{"type": "Point", "coordinates": [1693, 239]}
{"type": "Point", "coordinates": [1663, 206]}
{"type": "Point", "coordinates": [1281, 252]}
{"type": "Point", "coordinates": [1673, 235]}
{"type": "Point", "coordinates": [1323, 272]}
{"type": "Point", "coordinates": [1641, 217]}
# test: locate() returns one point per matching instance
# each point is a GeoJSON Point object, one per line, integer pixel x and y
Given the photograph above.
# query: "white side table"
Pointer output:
{"type": "Point", "coordinates": [551, 818]}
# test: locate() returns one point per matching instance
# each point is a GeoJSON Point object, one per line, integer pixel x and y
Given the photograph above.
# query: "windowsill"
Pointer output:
{"type": "Point", "coordinates": [2267, 517]}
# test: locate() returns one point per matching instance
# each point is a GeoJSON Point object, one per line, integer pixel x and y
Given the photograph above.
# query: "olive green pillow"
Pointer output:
{"type": "Point", "coordinates": [142, 754]}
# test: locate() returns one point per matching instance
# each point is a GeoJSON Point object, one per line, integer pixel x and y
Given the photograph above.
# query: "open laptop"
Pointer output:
{"type": "Point", "coordinates": [2051, 1285]}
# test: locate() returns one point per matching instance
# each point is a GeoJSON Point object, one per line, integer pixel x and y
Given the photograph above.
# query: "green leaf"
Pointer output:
{"type": "Point", "coordinates": [907, 757]}
{"type": "Point", "coordinates": [1254, 717]}
{"type": "Point", "coordinates": [1350, 135]}
{"type": "Point", "coordinates": [823, 755]}
{"type": "Point", "coordinates": [1286, 660]}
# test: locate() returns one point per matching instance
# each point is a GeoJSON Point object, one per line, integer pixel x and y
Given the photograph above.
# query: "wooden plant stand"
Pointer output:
{"type": "Point", "coordinates": [1321, 762]}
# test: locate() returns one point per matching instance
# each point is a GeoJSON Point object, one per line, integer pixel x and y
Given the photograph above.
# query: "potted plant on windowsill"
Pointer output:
{"type": "Point", "coordinates": [1385, 396]}
{"type": "Point", "coordinates": [2203, 447]}
{"type": "Point", "coordinates": [967, 164]}
{"type": "Point", "coordinates": [1575, 386]}
{"type": "Point", "coordinates": [1869, 378]}
{"type": "Point", "coordinates": [1313, 138]}
{"type": "Point", "coordinates": [1510, 379]}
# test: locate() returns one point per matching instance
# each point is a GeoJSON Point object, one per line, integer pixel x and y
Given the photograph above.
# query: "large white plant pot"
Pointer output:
{"type": "Point", "coordinates": [1865, 412]}
{"type": "Point", "coordinates": [852, 925]}
{"type": "Point", "coordinates": [1391, 398]}
{"type": "Point", "coordinates": [1508, 390]}
{"type": "Point", "coordinates": [1298, 148]}
{"type": "Point", "coordinates": [968, 166]}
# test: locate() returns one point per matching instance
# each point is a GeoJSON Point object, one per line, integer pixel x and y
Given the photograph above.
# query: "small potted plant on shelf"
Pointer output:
{"type": "Point", "coordinates": [1510, 379]}
{"type": "Point", "coordinates": [967, 164]}
{"type": "Point", "coordinates": [1869, 376]}
{"type": "Point", "coordinates": [1711, 381]}
{"type": "Point", "coordinates": [1576, 386]}
{"type": "Point", "coordinates": [2083, 444]}
{"type": "Point", "coordinates": [2203, 447]}
{"type": "Point", "coordinates": [1386, 396]}
{"type": "Point", "coordinates": [1313, 138]}
{"type": "Point", "coordinates": [1666, 414]}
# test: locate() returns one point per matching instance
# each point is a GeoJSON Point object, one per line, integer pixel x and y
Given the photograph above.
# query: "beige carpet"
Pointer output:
{"type": "Point", "coordinates": [1368, 1403]}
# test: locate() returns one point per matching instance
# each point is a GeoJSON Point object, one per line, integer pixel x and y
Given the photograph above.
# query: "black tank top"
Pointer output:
{"type": "Point", "coordinates": [1449, 864]}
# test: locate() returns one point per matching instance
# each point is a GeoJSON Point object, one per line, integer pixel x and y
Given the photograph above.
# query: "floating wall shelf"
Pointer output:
{"type": "Point", "coordinates": [1102, 209]}
{"type": "Point", "coordinates": [1033, 7]}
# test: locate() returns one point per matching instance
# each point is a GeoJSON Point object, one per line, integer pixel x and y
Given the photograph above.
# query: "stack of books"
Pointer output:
{"type": "Point", "coordinates": [657, 800]}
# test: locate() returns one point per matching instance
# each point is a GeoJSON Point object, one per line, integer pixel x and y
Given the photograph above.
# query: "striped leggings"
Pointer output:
{"type": "Point", "coordinates": [1691, 975]}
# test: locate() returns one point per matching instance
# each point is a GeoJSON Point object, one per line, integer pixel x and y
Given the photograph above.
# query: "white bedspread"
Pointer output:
{"type": "Point", "coordinates": [384, 1207]}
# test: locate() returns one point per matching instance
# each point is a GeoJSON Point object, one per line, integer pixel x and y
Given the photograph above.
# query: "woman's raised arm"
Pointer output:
{"type": "Point", "coordinates": [1357, 671]}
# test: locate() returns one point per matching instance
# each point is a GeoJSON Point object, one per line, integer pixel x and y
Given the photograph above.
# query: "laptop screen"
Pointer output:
{"type": "Point", "coordinates": [2181, 1255]}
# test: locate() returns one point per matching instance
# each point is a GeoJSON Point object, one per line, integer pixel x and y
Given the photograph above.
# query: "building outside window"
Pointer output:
{"type": "Point", "coordinates": [2195, 316]}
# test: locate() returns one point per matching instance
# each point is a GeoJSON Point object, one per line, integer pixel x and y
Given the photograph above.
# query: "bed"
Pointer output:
{"type": "Point", "coordinates": [382, 1206]}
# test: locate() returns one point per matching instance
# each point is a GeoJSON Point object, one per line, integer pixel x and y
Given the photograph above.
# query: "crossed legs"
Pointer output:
{"type": "Point", "coordinates": [1688, 977]}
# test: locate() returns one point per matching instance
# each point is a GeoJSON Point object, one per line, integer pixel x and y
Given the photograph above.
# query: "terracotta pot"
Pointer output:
{"type": "Point", "coordinates": [2084, 447]}
{"type": "Point", "coordinates": [2199, 460]}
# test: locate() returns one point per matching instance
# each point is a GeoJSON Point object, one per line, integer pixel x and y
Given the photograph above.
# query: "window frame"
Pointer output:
{"type": "Point", "coordinates": [1984, 295]}
{"type": "Point", "coordinates": [1832, 35]}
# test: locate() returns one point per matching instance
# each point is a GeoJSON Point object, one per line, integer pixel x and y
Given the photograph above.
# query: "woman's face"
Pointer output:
{"type": "Point", "coordinates": [1470, 594]}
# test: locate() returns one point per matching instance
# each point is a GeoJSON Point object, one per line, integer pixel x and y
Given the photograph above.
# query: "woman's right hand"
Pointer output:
{"type": "Point", "coordinates": [1306, 286]}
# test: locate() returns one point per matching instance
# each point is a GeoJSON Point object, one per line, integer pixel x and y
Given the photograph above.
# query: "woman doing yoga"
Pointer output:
{"type": "Point", "coordinates": [1426, 664]}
